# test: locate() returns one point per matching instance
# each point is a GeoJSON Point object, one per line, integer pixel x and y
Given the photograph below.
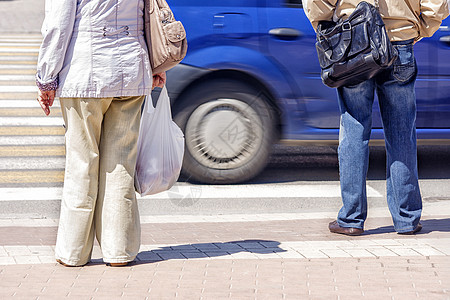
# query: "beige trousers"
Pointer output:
{"type": "Point", "coordinates": [98, 196]}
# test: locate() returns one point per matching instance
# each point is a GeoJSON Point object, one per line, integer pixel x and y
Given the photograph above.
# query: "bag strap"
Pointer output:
{"type": "Point", "coordinates": [346, 35]}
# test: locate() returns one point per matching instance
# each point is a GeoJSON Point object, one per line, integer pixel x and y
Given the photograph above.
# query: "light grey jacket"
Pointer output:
{"type": "Point", "coordinates": [96, 48]}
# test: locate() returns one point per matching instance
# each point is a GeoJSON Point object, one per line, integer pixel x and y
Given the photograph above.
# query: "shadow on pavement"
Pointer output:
{"type": "Point", "coordinates": [431, 225]}
{"type": "Point", "coordinates": [204, 250]}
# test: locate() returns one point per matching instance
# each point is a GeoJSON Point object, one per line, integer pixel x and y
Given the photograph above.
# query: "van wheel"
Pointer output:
{"type": "Point", "coordinates": [229, 129]}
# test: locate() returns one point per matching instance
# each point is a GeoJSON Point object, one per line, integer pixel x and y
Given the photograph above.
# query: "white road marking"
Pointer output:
{"type": "Point", "coordinates": [23, 103]}
{"type": "Point", "coordinates": [257, 191]}
{"type": "Point", "coordinates": [25, 43]}
{"type": "Point", "coordinates": [32, 140]}
{"type": "Point", "coordinates": [31, 121]}
{"type": "Point", "coordinates": [18, 88]}
{"type": "Point", "coordinates": [19, 50]}
{"type": "Point", "coordinates": [204, 192]}
{"type": "Point", "coordinates": [32, 163]}
{"type": "Point", "coordinates": [18, 40]}
{"type": "Point", "coordinates": [16, 67]}
{"type": "Point", "coordinates": [17, 77]}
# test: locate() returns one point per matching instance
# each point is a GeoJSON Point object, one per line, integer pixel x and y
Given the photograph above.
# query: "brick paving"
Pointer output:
{"type": "Point", "coordinates": [257, 258]}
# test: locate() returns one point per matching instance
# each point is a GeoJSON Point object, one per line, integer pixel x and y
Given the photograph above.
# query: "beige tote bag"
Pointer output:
{"type": "Point", "coordinates": [165, 36]}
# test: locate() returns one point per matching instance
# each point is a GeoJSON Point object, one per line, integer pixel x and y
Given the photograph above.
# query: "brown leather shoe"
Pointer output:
{"type": "Point", "coordinates": [335, 228]}
{"type": "Point", "coordinates": [417, 229]}
{"type": "Point", "coordinates": [64, 264]}
{"type": "Point", "coordinates": [122, 264]}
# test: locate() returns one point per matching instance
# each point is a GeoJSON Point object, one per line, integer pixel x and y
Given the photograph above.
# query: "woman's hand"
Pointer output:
{"type": "Point", "coordinates": [159, 80]}
{"type": "Point", "coordinates": [45, 99]}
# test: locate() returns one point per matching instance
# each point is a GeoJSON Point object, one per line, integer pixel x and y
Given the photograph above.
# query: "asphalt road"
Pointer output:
{"type": "Point", "coordinates": [296, 179]}
{"type": "Point", "coordinates": [308, 163]}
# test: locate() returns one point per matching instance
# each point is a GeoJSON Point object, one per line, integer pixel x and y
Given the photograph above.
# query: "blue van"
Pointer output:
{"type": "Point", "coordinates": [251, 78]}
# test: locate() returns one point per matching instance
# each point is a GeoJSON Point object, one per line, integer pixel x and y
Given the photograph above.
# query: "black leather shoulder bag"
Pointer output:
{"type": "Point", "coordinates": [354, 50]}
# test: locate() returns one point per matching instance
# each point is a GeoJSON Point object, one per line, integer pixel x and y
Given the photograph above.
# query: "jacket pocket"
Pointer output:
{"type": "Point", "coordinates": [405, 64]}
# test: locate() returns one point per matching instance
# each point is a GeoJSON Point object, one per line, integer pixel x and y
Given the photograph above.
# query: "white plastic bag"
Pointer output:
{"type": "Point", "coordinates": [160, 148]}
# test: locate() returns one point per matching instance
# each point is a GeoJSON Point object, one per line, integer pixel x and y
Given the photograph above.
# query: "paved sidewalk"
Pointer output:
{"type": "Point", "coordinates": [279, 256]}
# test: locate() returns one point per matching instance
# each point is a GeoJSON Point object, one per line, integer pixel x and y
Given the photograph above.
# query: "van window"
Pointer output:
{"type": "Point", "coordinates": [294, 3]}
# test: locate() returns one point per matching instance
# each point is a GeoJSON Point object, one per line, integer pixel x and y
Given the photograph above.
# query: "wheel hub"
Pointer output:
{"type": "Point", "coordinates": [224, 133]}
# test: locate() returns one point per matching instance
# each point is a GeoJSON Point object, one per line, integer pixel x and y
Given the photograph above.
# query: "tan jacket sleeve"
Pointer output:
{"type": "Point", "coordinates": [319, 10]}
{"type": "Point", "coordinates": [432, 12]}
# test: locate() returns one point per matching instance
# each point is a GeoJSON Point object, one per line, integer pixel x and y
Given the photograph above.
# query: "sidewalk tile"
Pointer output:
{"type": "Point", "coordinates": [243, 255]}
{"type": "Point", "coordinates": [26, 259]}
{"type": "Point", "coordinates": [266, 255]}
{"type": "Point", "coordinates": [443, 248]}
{"type": "Point", "coordinates": [46, 259]}
{"type": "Point", "coordinates": [218, 254]}
{"type": "Point", "coordinates": [403, 250]}
{"type": "Point", "coordinates": [41, 250]}
{"type": "Point", "coordinates": [381, 251]}
{"type": "Point", "coordinates": [251, 245]}
{"type": "Point", "coordinates": [228, 246]}
{"type": "Point", "coordinates": [358, 252]}
{"type": "Point", "coordinates": [270, 244]}
{"type": "Point", "coordinates": [183, 248]}
{"type": "Point", "coordinates": [166, 255]}
{"type": "Point", "coordinates": [147, 255]}
{"type": "Point", "coordinates": [17, 250]}
{"type": "Point", "coordinates": [333, 253]}
{"type": "Point", "coordinates": [290, 254]}
{"type": "Point", "coordinates": [312, 253]}
{"type": "Point", "coordinates": [388, 242]}
{"type": "Point", "coordinates": [194, 255]}
{"type": "Point", "coordinates": [427, 250]}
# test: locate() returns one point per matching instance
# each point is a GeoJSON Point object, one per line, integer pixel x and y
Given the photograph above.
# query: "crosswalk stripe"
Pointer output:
{"type": "Point", "coordinates": [18, 58]}
{"type": "Point", "coordinates": [30, 143]}
{"type": "Point", "coordinates": [22, 77]}
{"type": "Point", "coordinates": [8, 65]}
{"type": "Point", "coordinates": [31, 130]}
{"type": "Point", "coordinates": [26, 112]}
{"type": "Point", "coordinates": [20, 46]}
{"type": "Point", "coordinates": [30, 150]}
{"type": "Point", "coordinates": [16, 82]}
{"type": "Point", "coordinates": [27, 163]}
{"type": "Point", "coordinates": [31, 121]}
{"type": "Point", "coordinates": [38, 162]}
{"type": "Point", "coordinates": [18, 51]}
{"type": "Point", "coordinates": [18, 88]}
{"type": "Point", "coordinates": [9, 103]}
{"type": "Point", "coordinates": [28, 38]}
{"type": "Point", "coordinates": [181, 191]}
{"type": "Point", "coordinates": [31, 176]}
{"type": "Point", "coordinates": [20, 41]}
{"type": "Point", "coordinates": [14, 140]}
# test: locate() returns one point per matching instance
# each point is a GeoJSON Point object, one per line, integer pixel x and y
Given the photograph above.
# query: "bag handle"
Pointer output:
{"type": "Point", "coordinates": [346, 28]}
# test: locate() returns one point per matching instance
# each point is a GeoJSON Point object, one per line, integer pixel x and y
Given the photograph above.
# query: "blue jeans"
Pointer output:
{"type": "Point", "coordinates": [396, 96]}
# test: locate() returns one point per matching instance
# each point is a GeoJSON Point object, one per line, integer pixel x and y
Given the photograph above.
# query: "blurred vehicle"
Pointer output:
{"type": "Point", "coordinates": [251, 78]}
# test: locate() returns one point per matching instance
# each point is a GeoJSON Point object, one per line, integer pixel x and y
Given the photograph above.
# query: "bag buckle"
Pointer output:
{"type": "Point", "coordinates": [346, 26]}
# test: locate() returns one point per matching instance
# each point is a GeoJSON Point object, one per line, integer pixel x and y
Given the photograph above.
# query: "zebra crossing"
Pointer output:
{"type": "Point", "coordinates": [32, 158]}
{"type": "Point", "coordinates": [31, 144]}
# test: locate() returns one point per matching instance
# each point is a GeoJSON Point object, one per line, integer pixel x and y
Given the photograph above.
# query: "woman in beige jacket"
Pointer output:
{"type": "Point", "coordinates": [407, 21]}
{"type": "Point", "coordinates": [94, 57]}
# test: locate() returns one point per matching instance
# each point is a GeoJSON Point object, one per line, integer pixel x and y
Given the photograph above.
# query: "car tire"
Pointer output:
{"type": "Point", "coordinates": [229, 129]}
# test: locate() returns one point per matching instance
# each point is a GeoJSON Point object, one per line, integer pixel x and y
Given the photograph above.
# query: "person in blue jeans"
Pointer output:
{"type": "Point", "coordinates": [407, 21]}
